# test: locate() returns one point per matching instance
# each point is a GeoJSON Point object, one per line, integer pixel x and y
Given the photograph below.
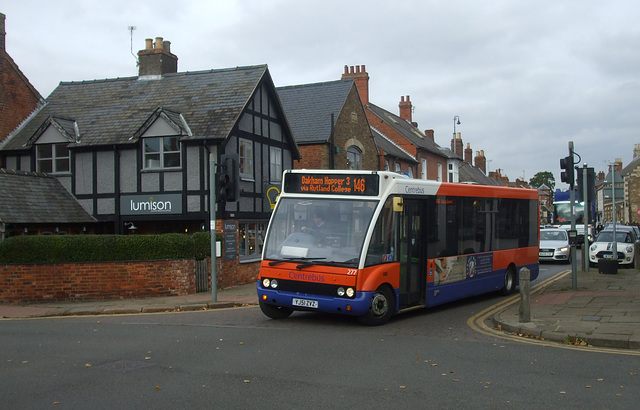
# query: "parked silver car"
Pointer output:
{"type": "Point", "coordinates": [554, 246]}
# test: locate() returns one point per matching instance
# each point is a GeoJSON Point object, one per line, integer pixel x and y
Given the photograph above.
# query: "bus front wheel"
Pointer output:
{"type": "Point", "coordinates": [381, 308]}
{"type": "Point", "coordinates": [275, 312]}
{"type": "Point", "coordinates": [509, 281]}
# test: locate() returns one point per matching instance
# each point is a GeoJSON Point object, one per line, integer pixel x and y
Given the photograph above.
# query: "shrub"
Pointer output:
{"type": "Point", "coordinates": [97, 248]}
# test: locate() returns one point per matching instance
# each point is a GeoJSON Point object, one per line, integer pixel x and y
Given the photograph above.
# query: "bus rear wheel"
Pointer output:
{"type": "Point", "coordinates": [275, 312]}
{"type": "Point", "coordinates": [381, 308]}
{"type": "Point", "coordinates": [509, 281]}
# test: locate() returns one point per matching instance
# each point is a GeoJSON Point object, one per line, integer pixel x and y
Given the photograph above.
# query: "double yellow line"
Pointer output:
{"type": "Point", "coordinates": [478, 323]}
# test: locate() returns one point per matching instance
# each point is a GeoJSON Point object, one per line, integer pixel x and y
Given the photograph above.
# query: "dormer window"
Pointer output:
{"type": "Point", "coordinates": [53, 158]}
{"type": "Point", "coordinates": [161, 152]}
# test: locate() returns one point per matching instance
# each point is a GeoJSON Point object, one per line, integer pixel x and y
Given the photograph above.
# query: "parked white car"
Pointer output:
{"type": "Point", "coordinates": [554, 246]}
{"type": "Point", "coordinates": [602, 248]}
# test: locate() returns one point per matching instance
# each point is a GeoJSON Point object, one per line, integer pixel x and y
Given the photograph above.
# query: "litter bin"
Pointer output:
{"type": "Point", "coordinates": [608, 266]}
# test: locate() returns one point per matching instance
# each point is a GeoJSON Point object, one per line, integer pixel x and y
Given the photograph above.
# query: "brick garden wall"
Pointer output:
{"type": "Point", "coordinates": [96, 281]}
{"type": "Point", "coordinates": [113, 280]}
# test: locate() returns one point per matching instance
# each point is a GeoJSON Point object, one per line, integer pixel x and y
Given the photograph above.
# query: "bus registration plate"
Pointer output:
{"type": "Point", "coordinates": [305, 303]}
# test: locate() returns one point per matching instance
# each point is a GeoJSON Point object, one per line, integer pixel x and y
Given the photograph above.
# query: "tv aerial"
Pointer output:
{"type": "Point", "coordinates": [131, 29]}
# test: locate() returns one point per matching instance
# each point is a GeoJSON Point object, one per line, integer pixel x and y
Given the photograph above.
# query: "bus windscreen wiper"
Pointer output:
{"type": "Point", "coordinates": [290, 259]}
{"type": "Point", "coordinates": [309, 262]}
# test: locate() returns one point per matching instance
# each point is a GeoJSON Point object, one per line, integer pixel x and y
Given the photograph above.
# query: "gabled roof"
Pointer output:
{"type": "Point", "coordinates": [470, 174]}
{"type": "Point", "coordinates": [308, 108]}
{"type": "Point", "coordinates": [630, 167]}
{"type": "Point", "coordinates": [410, 132]}
{"type": "Point", "coordinates": [391, 148]}
{"type": "Point", "coordinates": [67, 129]}
{"type": "Point", "coordinates": [111, 111]}
{"type": "Point", "coordinates": [37, 198]}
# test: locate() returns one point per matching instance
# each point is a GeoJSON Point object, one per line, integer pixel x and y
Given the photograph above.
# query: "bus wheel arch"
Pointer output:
{"type": "Point", "coordinates": [382, 307]}
{"type": "Point", "coordinates": [275, 312]}
{"type": "Point", "coordinates": [509, 280]}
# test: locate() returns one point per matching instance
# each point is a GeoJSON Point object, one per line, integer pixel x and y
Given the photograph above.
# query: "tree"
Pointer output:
{"type": "Point", "coordinates": [544, 177]}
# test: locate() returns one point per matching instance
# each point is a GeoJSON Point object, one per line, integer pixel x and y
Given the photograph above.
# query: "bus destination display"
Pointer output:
{"type": "Point", "coordinates": [332, 184]}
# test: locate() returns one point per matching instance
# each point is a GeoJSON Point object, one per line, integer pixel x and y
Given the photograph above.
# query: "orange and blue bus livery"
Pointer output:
{"type": "Point", "coordinates": [371, 244]}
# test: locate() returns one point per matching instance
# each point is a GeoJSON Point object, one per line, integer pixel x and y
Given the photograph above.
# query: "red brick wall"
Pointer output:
{"type": "Point", "coordinates": [18, 96]}
{"type": "Point", "coordinates": [95, 281]}
{"type": "Point", "coordinates": [233, 273]}
{"type": "Point", "coordinates": [313, 157]}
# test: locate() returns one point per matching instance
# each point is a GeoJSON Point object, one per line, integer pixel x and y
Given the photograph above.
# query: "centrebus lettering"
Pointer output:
{"type": "Point", "coordinates": [413, 190]}
{"type": "Point", "coordinates": [306, 276]}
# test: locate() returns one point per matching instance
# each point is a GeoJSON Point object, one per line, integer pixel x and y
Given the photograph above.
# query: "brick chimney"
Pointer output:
{"type": "Point", "coordinates": [405, 108]}
{"type": "Point", "coordinates": [618, 165]}
{"type": "Point", "coordinates": [429, 134]}
{"type": "Point", "coordinates": [456, 144]}
{"type": "Point", "coordinates": [481, 161]}
{"type": "Point", "coordinates": [156, 58]}
{"type": "Point", "coordinates": [467, 154]}
{"type": "Point", "coordinates": [2, 34]}
{"type": "Point", "coordinates": [636, 151]}
{"type": "Point", "coordinates": [361, 77]}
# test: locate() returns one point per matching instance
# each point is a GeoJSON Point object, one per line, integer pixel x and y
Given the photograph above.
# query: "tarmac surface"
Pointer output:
{"type": "Point", "coordinates": [603, 310]}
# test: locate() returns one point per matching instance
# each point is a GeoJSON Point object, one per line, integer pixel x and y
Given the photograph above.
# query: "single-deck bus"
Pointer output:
{"type": "Point", "coordinates": [371, 243]}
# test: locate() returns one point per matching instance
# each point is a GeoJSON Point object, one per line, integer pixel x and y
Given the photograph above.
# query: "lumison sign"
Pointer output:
{"type": "Point", "coordinates": [151, 204]}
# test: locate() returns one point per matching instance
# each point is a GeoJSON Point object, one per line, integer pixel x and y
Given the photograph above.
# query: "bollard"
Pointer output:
{"type": "Point", "coordinates": [525, 295]}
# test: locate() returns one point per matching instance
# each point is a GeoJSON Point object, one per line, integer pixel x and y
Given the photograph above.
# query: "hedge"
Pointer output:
{"type": "Point", "coordinates": [97, 248]}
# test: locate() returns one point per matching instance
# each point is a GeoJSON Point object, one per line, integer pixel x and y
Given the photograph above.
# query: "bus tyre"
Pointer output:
{"type": "Point", "coordinates": [275, 312]}
{"type": "Point", "coordinates": [381, 308]}
{"type": "Point", "coordinates": [509, 281]}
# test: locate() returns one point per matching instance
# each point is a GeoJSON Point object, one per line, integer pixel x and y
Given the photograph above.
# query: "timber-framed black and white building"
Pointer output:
{"type": "Point", "coordinates": [136, 152]}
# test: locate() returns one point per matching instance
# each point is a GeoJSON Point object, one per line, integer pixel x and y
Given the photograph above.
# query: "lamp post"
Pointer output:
{"type": "Point", "coordinates": [456, 121]}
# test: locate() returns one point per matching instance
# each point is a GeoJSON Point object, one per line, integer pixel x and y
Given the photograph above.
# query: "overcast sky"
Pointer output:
{"type": "Point", "coordinates": [525, 77]}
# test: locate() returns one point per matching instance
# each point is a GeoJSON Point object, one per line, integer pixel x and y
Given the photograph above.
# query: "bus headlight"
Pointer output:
{"type": "Point", "coordinates": [345, 292]}
{"type": "Point", "coordinates": [270, 283]}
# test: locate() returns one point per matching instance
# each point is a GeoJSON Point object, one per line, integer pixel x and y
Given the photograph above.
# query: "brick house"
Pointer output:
{"type": "Point", "coordinates": [18, 98]}
{"type": "Point", "coordinates": [430, 161]}
{"type": "Point", "coordinates": [604, 197]}
{"type": "Point", "coordinates": [137, 152]}
{"type": "Point", "coordinates": [631, 177]}
{"type": "Point", "coordinates": [329, 125]}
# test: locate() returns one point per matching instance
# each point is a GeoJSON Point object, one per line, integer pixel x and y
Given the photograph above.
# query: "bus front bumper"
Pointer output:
{"type": "Point", "coordinates": [356, 306]}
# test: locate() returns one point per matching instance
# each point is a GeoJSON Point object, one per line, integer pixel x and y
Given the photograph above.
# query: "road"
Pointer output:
{"type": "Point", "coordinates": [238, 358]}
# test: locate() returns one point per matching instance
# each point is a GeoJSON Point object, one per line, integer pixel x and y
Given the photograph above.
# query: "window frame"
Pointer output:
{"type": "Point", "coordinates": [275, 164]}
{"type": "Point", "coordinates": [162, 153]}
{"type": "Point", "coordinates": [245, 153]}
{"type": "Point", "coordinates": [250, 248]}
{"type": "Point", "coordinates": [355, 153]}
{"type": "Point", "coordinates": [54, 159]}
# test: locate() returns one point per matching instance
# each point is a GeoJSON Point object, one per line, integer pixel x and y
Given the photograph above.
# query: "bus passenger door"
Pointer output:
{"type": "Point", "coordinates": [412, 255]}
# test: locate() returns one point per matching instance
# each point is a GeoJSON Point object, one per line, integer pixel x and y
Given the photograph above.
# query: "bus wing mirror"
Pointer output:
{"type": "Point", "coordinates": [398, 205]}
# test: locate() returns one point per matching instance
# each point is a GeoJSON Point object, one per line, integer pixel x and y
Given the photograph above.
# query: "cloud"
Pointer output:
{"type": "Point", "coordinates": [525, 77]}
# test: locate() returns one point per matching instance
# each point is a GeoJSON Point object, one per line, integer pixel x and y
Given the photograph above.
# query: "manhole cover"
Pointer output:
{"type": "Point", "coordinates": [124, 366]}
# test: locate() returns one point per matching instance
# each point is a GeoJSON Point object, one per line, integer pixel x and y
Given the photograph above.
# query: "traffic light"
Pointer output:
{"type": "Point", "coordinates": [567, 175]}
{"type": "Point", "coordinates": [228, 178]}
{"type": "Point", "coordinates": [591, 196]}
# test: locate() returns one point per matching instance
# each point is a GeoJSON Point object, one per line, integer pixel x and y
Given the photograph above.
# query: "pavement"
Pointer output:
{"type": "Point", "coordinates": [603, 310]}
